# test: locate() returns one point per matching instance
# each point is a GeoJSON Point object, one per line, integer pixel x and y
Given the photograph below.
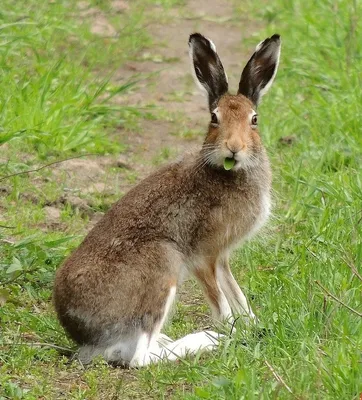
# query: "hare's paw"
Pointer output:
{"type": "Point", "coordinates": [164, 340]}
{"type": "Point", "coordinates": [194, 342]}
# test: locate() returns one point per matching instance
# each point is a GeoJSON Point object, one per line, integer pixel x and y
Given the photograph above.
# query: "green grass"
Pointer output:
{"type": "Point", "coordinates": [53, 99]}
{"type": "Point", "coordinates": [54, 102]}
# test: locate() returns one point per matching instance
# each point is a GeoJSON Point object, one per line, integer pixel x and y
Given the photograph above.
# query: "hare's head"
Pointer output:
{"type": "Point", "coordinates": [233, 140]}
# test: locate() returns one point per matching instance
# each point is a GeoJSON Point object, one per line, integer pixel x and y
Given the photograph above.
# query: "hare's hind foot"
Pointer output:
{"type": "Point", "coordinates": [192, 344]}
{"type": "Point", "coordinates": [165, 350]}
{"type": "Point", "coordinates": [142, 351]}
{"type": "Point", "coordinates": [153, 350]}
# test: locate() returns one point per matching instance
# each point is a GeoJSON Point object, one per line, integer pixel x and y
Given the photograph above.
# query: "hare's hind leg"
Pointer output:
{"type": "Point", "coordinates": [144, 348]}
{"type": "Point", "coordinates": [140, 348]}
{"type": "Point", "coordinates": [157, 346]}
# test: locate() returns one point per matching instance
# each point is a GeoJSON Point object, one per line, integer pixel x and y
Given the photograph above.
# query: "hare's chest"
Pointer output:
{"type": "Point", "coordinates": [243, 219]}
{"type": "Point", "coordinates": [262, 214]}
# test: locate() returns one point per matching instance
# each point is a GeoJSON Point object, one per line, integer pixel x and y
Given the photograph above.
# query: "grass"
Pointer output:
{"type": "Point", "coordinates": [55, 103]}
{"type": "Point", "coordinates": [52, 100]}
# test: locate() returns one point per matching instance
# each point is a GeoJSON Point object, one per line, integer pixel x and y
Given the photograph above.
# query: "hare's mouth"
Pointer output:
{"type": "Point", "coordinates": [229, 163]}
{"type": "Point", "coordinates": [237, 161]}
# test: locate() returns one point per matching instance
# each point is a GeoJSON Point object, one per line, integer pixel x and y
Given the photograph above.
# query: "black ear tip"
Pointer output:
{"type": "Point", "coordinates": [195, 36]}
{"type": "Point", "coordinates": [273, 41]}
{"type": "Point", "coordinates": [275, 37]}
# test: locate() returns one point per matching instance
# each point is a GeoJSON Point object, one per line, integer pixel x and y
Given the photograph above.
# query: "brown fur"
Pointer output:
{"type": "Point", "coordinates": [208, 281]}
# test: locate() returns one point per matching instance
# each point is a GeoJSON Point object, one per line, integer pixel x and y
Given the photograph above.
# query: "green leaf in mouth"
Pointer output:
{"type": "Point", "coordinates": [229, 163]}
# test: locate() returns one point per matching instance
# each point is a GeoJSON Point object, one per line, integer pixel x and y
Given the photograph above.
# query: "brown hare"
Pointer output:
{"type": "Point", "coordinates": [113, 294]}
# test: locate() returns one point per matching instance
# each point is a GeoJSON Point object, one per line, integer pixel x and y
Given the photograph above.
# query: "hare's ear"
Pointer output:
{"type": "Point", "coordinates": [208, 69]}
{"type": "Point", "coordinates": [260, 71]}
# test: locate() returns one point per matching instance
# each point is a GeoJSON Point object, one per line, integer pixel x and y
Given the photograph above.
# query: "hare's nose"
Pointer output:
{"type": "Point", "coordinates": [235, 149]}
{"type": "Point", "coordinates": [231, 148]}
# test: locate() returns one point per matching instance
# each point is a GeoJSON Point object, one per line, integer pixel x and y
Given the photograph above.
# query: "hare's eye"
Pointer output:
{"type": "Point", "coordinates": [254, 120]}
{"type": "Point", "coordinates": [214, 119]}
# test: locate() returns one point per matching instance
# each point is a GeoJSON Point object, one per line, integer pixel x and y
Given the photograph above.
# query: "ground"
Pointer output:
{"type": "Point", "coordinates": [106, 86]}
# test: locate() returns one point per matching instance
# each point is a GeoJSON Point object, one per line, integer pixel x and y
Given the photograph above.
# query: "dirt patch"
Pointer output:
{"type": "Point", "coordinates": [119, 6]}
{"type": "Point", "coordinates": [52, 215]}
{"type": "Point", "coordinates": [83, 172]}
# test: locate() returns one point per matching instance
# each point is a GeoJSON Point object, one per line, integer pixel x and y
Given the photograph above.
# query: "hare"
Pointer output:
{"type": "Point", "coordinates": [113, 294]}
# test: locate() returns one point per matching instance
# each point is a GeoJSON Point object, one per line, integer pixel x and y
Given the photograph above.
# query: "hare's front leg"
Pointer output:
{"type": "Point", "coordinates": [206, 276]}
{"type": "Point", "coordinates": [232, 291]}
